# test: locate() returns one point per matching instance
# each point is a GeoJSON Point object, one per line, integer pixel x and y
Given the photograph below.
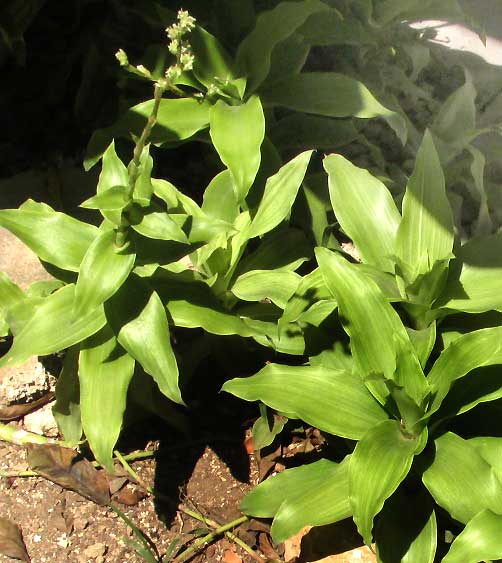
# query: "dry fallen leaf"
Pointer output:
{"type": "Point", "coordinates": [64, 467]}
{"type": "Point", "coordinates": [130, 495]}
{"type": "Point", "coordinates": [11, 541]}
{"type": "Point", "coordinates": [293, 546]}
{"type": "Point", "coordinates": [12, 412]}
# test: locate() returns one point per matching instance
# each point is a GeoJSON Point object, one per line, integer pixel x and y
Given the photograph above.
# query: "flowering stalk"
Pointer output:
{"type": "Point", "coordinates": [184, 62]}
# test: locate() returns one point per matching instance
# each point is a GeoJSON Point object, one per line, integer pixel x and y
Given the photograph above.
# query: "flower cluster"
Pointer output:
{"type": "Point", "coordinates": [178, 47]}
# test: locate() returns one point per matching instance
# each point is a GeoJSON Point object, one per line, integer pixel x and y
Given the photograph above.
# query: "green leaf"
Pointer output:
{"type": "Point", "coordinates": [139, 320]}
{"type": "Point", "coordinates": [476, 290]}
{"type": "Point", "coordinates": [220, 200]}
{"type": "Point", "coordinates": [381, 460]}
{"type": "Point", "coordinates": [237, 133]}
{"type": "Point", "coordinates": [365, 210]}
{"type": "Point", "coordinates": [460, 480]}
{"type": "Point", "coordinates": [312, 495]}
{"type": "Point", "coordinates": [280, 193]}
{"type": "Point", "coordinates": [256, 285]}
{"type": "Point", "coordinates": [332, 95]}
{"type": "Point", "coordinates": [105, 370]}
{"type": "Point", "coordinates": [143, 188]}
{"type": "Point", "coordinates": [378, 338]}
{"type": "Point", "coordinates": [210, 58]}
{"type": "Point", "coordinates": [113, 173]}
{"type": "Point", "coordinates": [490, 449]}
{"type": "Point", "coordinates": [343, 405]}
{"type": "Point", "coordinates": [469, 351]}
{"type": "Point", "coordinates": [481, 539]}
{"type": "Point", "coordinates": [423, 341]}
{"type": "Point", "coordinates": [104, 269]}
{"type": "Point", "coordinates": [53, 328]}
{"type": "Point", "coordinates": [152, 222]}
{"type": "Point", "coordinates": [425, 235]}
{"type": "Point", "coordinates": [272, 27]}
{"type": "Point", "coordinates": [192, 305]}
{"type": "Point", "coordinates": [406, 531]}
{"type": "Point", "coordinates": [113, 198]}
{"type": "Point", "coordinates": [66, 409]}
{"type": "Point", "coordinates": [177, 120]}
{"type": "Point", "coordinates": [10, 295]}
{"type": "Point", "coordinates": [311, 290]}
{"type": "Point", "coordinates": [55, 237]}
{"type": "Point", "coordinates": [266, 428]}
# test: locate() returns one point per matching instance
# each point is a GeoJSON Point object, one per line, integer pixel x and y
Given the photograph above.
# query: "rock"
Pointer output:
{"type": "Point", "coordinates": [96, 550]}
{"type": "Point", "coordinates": [80, 524]}
{"type": "Point", "coordinates": [42, 421]}
{"type": "Point", "coordinates": [25, 383]}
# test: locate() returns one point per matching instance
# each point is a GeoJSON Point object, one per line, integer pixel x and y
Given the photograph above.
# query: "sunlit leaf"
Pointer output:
{"type": "Point", "coordinates": [139, 320]}
{"type": "Point", "coordinates": [105, 370]}
{"type": "Point", "coordinates": [55, 237]}
{"type": "Point", "coordinates": [280, 193]}
{"type": "Point", "coordinates": [481, 539]}
{"type": "Point", "coordinates": [380, 462]}
{"type": "Point", "coordinates": [237, 133]}
{"type": "Point", "coordinates": [257, 285]}
{"type": "Point", "coordinates": [53, 328]}
{"type": "Point", "coordinates": [311, 495]}
{"type": "Point", "coordinates": [11, 541]}
{"type": "Point", "coordinates": [365, 210]}
{"type": "Point", "coordinates": [425, 235]}
{"type": "Point", "coordinates": [343, 407]}
{"type": "Point", "coordinates": [104, 269]}
{"type": "Point", "coordinates": [460, 480]}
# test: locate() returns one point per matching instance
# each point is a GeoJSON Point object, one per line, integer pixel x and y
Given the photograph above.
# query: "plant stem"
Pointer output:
{"type": "Point", "coordinates": [191, 513]}
{"type": "Point", "coordinates": [21, 437]}
{"type": "Point", "coordinates": [201, 542]}
{"type": "Point", "coordinates": [229, 534]}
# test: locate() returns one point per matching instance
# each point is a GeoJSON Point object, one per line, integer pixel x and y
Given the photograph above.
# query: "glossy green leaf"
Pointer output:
{"type": "Point", "coordinates": [210, 58]}
{"type": "Point", "coordinates": [381, 460]}
{"type": "Point", "coordinates": [365, 210]}
{"type": "Point", "coordinates": [311, 495]}
{"type": "Point", "coordinates": [55, 237]}
{"type": "Point", "coordinates": [10, 295]}
{"type": "Point", "coordinates": [311, 290]}
{"type": "Point", "coordinates": [266, 428]}
{"type": "Point", "coordinates": [152, 222]}
{"type": "Point", "coordinates": [257, 285]}
{"type": "Point", "coordinates": [280, 193]}
{"type": "Point", "coordinates": [138, 318]}
{"type": "Point", "coordinates": [490, 449]}
{"type": "Point", "coordinates": [113, 173]}
{"type": "Point", "coordinates": [288, 57]}
{"type": "Point", "coordinates": [272, 27]}
{"type": "Point", "coordinates": [477, 289]}
{"type": "Point", "coordinates": [143, 188]}
{"type": "Point", "coordinates": [53, 328]}
{"type": "Point", "coordinates": [481, 539]}
{"type": "Point", "coordinates": [66, 409]}
{"type": "Point", "coordinates": [192, 305]}
{"type": "Point", "coordinates": [105, 370]}
{"type": "Point", "coordinates": [104, 269]}
{"type": "Point", "coordinates": [423, 341]}
{"type": "Point", "coordinates": [332, 95]}
{"type": "Point", "coordinates": [290, 341]}
{"type": "Point", "coordinates": [406, 531]}
{"type": "Point", "coordinates": [425, 235]}
{"type": "Point", "coordinates": [342, 405]}
{"type": "Point", "coordinates": [220, 200]}
{"type": "Point", "coordinates": [460, 480]}
{"type": "Point", "coordinates": [177, 120]}
{"type": "Point", "coordinates": [378, 338]}
{"type": "Point", "coordinates": [469, 351]}
{"type": "Point", "coordinates": [237, 133]}
{"type": "Point", "coordinates": [113, 198]}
